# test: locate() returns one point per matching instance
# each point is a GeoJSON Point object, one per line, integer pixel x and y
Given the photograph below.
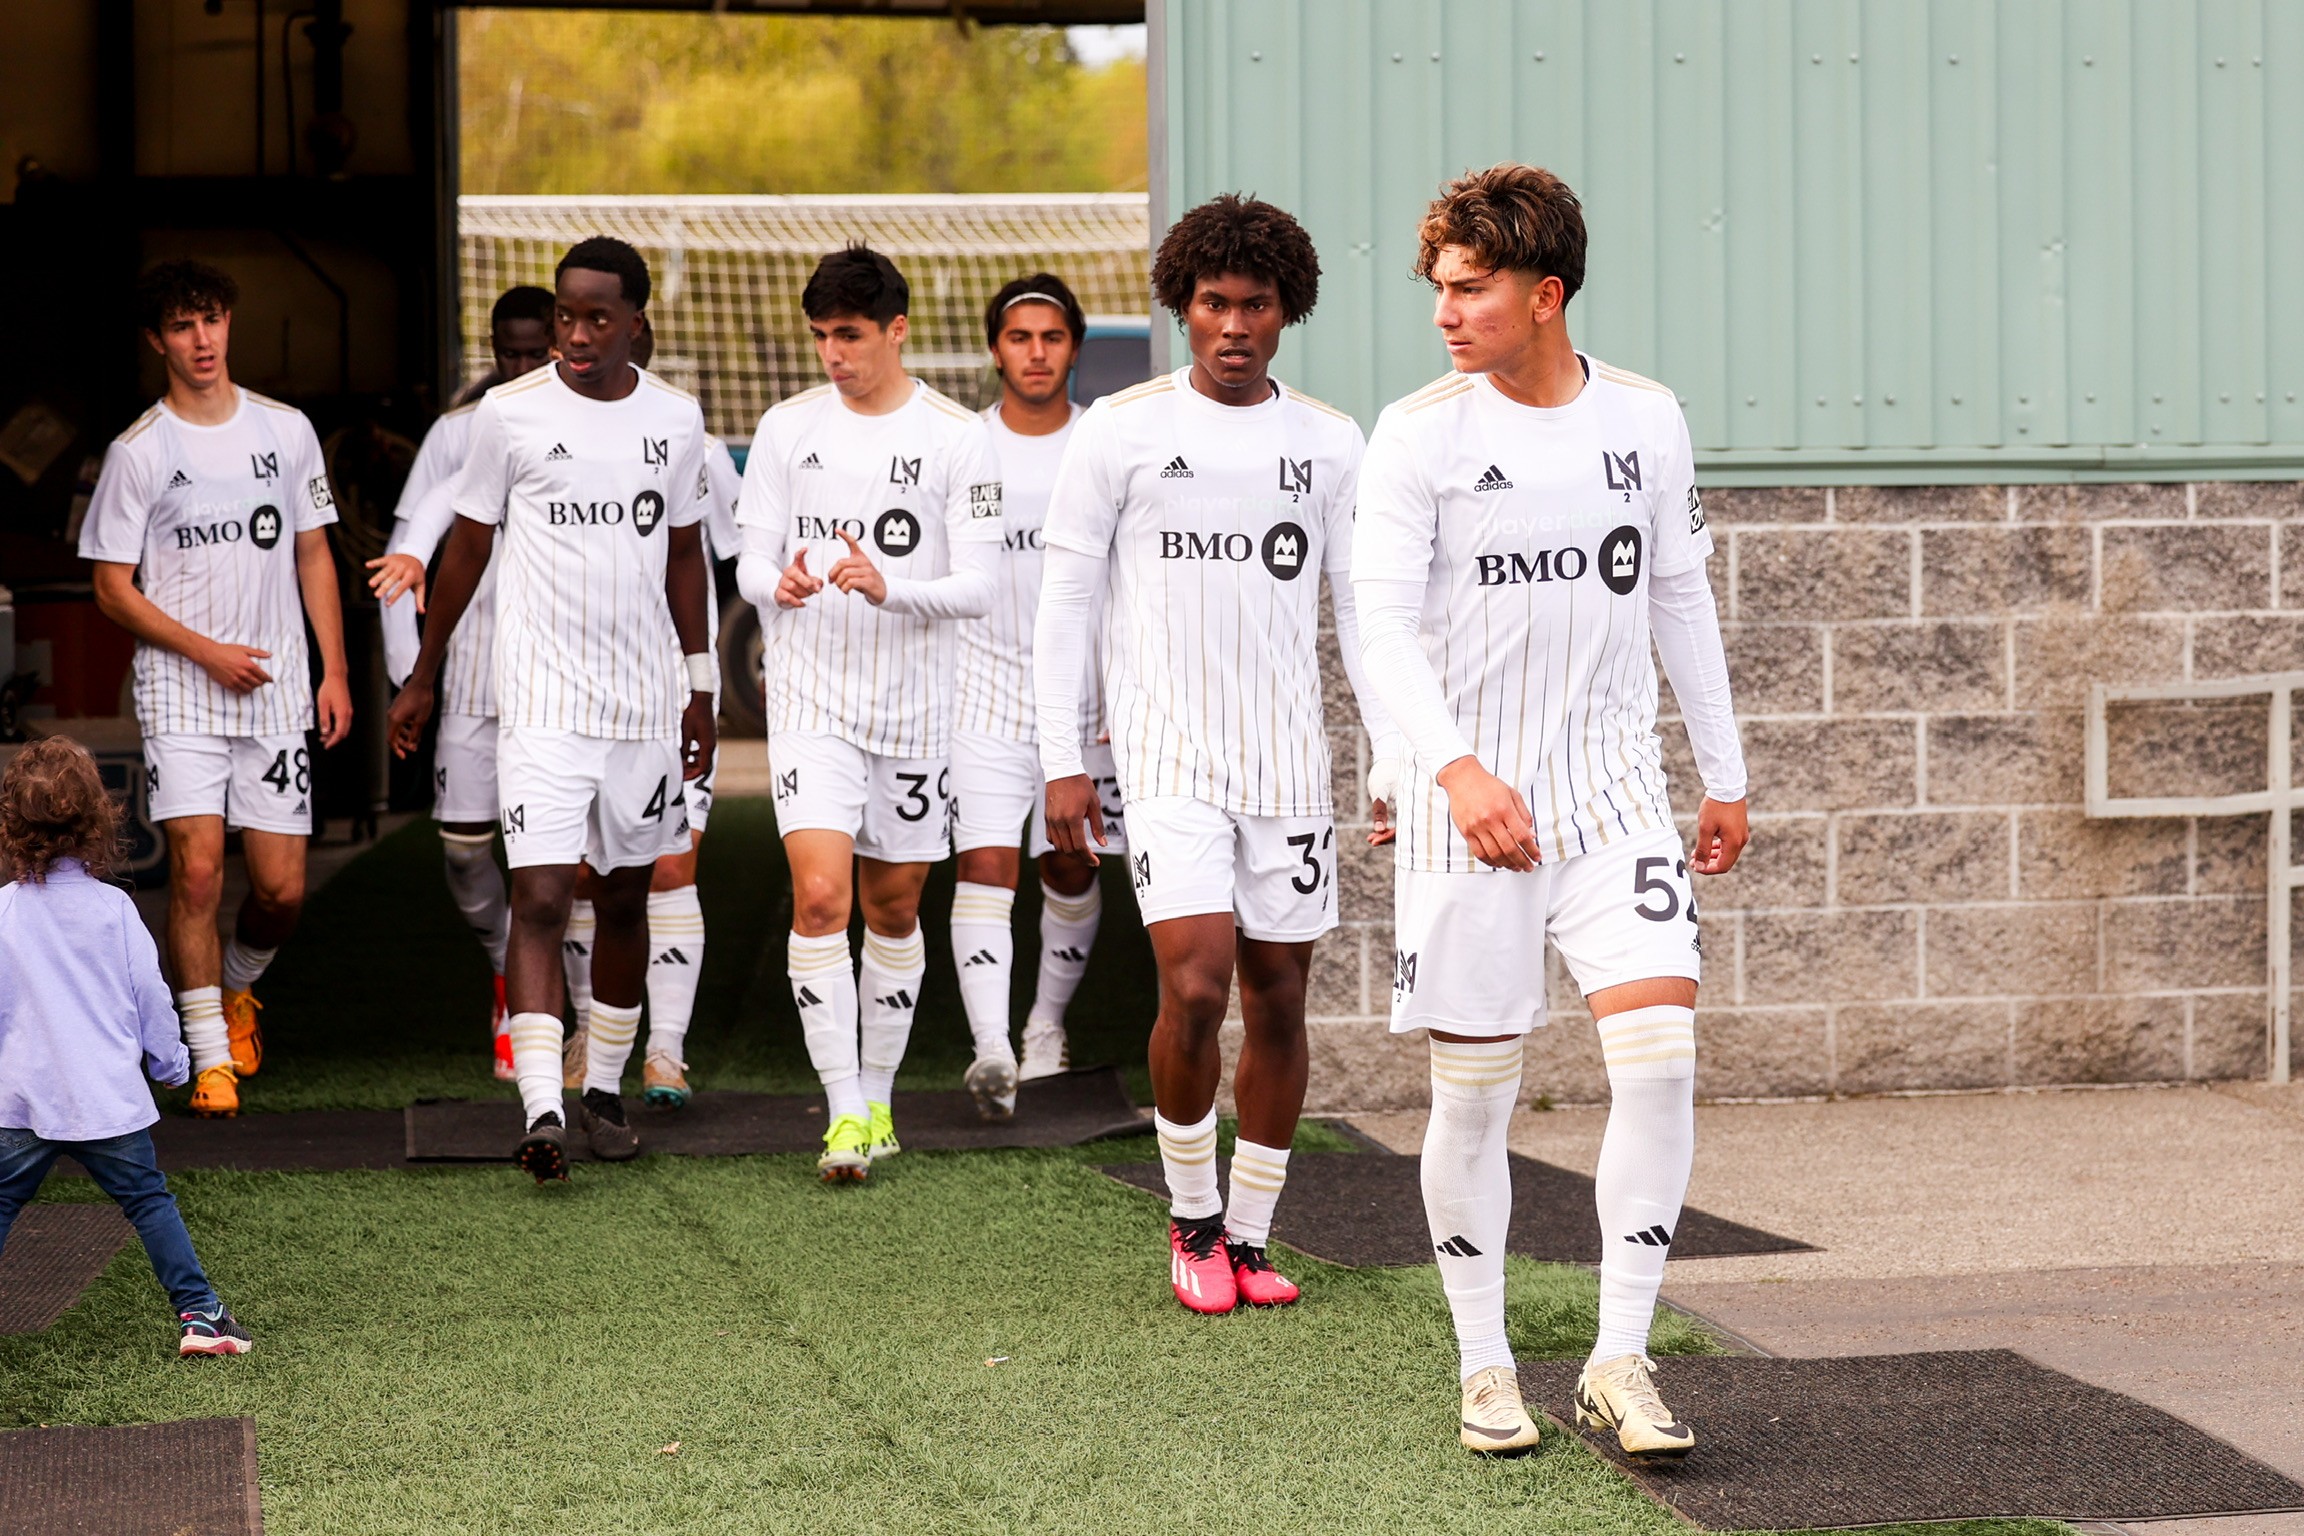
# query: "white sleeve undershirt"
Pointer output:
{"type": "Point", "coordinates": [1069, 583]}
{"type": "Point", "coordinates": [1687, 630]}
{"type": "Point", "coordinates": [965, 593]}
{"type": "Point", "coordinates": [1401, 676]}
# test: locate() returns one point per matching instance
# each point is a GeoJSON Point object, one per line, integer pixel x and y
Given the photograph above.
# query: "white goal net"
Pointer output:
{"type": "Point", "coordinates": [727, 274]}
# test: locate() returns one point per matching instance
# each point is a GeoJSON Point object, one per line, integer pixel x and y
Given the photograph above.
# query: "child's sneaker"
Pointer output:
{"type": "Point", "coordinates": [213, 1333]}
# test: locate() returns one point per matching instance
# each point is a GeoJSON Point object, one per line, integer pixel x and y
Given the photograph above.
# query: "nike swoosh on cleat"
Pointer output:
{"type": "Point", "coordinates": [1493, 1434]}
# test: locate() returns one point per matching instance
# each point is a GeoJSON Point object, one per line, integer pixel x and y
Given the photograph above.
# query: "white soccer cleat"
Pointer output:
{"type": "Point", "coordinates": [991, 1082]}
{"type": "Point", "coordinates": [1046, 1051]}
{"type": "Point", "coordinates": [1495, 1420]}
{"type": "Point", "coordinates": [1620, 1394]}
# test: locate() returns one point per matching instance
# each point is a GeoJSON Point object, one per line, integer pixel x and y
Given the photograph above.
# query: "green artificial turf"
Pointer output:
{"type": "Point", "coordinates": [457, 1350]}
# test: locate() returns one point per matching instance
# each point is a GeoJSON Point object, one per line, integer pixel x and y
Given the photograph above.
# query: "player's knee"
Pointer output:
{"type": "Point", "coordinates": [536, 906]}
{"type": "Point", "coordinates": [1198, 999]}
{"type": "Point", "coordinates": [280, 896]}
{"type": "Point", "coordinates": [985, 866]}
{"type": "Point", "coordinates": [198, 880]}
{"type": "Point", "coordinates": [819, 904]}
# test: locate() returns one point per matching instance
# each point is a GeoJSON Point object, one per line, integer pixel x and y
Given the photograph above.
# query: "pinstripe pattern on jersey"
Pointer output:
{"type": "Point", "coordinates": [468, 671]}
{"type": "Point", "coordinates": [1551, 680]}
{"type": "Point", "coordinates": [180, 502]}
{"type": "Point", "coordinates": [584, 639]}
{"type": "Point", "coordinates": [881, 681]}
{"type": "Point", "coordinates": [1212, 676]}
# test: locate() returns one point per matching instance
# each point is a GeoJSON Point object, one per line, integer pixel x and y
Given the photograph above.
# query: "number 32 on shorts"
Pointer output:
{"type": "Point", "coordinates": [1655, 896]}
{"type": "Point", "coordinates": [1317, 851]}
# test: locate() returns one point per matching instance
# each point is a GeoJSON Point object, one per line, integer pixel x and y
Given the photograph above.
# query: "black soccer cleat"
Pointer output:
{"type": "Point", "coordinates": [543, 1152]}
{"type": "Point", "coordinates": [601, 1118]}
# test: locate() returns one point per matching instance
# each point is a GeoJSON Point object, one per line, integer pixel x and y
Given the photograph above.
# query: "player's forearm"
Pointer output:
{"type": "Point", "coordinates": [423, 523]}
{"type": "Point", "coordinates": [1401, 676]}
{"type": "Point", "coordinates": [759, 568]}
{"type": "Point", "coordinates": [965, 593]}
{"type": "Point", "coordinates": [1068, 585]}
{"type": "Point", "coordinates": [119, 599]}
{"type": "Point", "coordinates": [1686, 624]}
{"type": "Point", "coordinates": [323, 604]}
{"type": "Point", "coordinates": [461, 567]}
{"type": "Point", "coordinates": [1383, 736]}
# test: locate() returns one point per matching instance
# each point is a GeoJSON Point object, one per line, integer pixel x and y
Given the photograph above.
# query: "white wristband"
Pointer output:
{"type": "Point", "coordinates": [703, 675]}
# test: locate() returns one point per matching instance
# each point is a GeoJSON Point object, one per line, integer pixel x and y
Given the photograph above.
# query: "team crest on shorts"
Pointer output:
{"type": "Point", "coordinates": [647, 511]}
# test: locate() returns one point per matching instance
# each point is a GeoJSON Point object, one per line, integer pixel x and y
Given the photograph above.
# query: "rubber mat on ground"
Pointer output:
{"type": "Point", "coordinates": [1957, 1435]}
{"type": "Point", "coordinates": [194, 1477]}
{"type": "Point", "coordinates": [1057, 1111]}
{"type": "Point", "coordinates": [54, 1253]}
{"type": "Point", "coordinates": [322, 1139]}
{"type": "Point", "coordinates": [1366, 1209]}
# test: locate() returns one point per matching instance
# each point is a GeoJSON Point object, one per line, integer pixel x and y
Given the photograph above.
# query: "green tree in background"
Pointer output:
{"type": "Point", "coordinates": [594, 102]}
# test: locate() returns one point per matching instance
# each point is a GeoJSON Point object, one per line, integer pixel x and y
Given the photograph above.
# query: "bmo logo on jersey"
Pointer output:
{"type": "Point", "coordinates": [264, 527]}
{"type": "Point", "coordinates": [647, 512]}
{"type": "Point", "coordinates": [896, 532]}
{"type": "Point", "coordinates": [1619, 564]}
{"type": "Point", "coordinates": [585, 514]}
{"type": "Point", "coordinates": [1285, 546]}
{"type": "Point", "coordinates": [1283, 550]}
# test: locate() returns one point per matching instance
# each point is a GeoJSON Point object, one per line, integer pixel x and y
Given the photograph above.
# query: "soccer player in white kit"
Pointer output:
{"type": "Point", "coordinates": [1034, 327]}
{"type": "Point", "coordinates": [871, 520]}
{"type": "Point", "coordinates": [1209, 502]}
{"type": "Point", "coordinates": [207, 534]}
{"type": "Point", "coordinates": [594, 470]}
{"type": "Point", "coordinates": [1527, 525]}
{"type": "Point", "coordinates": [464, 752]}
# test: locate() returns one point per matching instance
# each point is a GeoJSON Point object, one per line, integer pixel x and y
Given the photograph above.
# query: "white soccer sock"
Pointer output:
{"type": "Point", "coordinates": [1645, 1155]}
{"type": "Point", "coordinates": [576, 960]}
{"type": "Point", "coordinates": [478, 888]}
{"type": "Point", "coordinates": [1468, 1189]}
{"type": "Point", "coordinates": [243, 965]}
{"type": "Point", "coordinates": [888, 985]}
{"type": "Point", "coordinates": [824, 990]}
{"type": "Point", "coordinates": [1067, 933]}
{"type": "Point", "coordinates": [1188, 1157]}
{"type": "Point", "coordinates": [1257, 1176]}
{"type": "Point", "coordinates": [675, 962]}
{"type": "Point", "coordinates": [205, 1035]}
{"type": "Point", "coordinates": [984, 952]}
{"type": "Point", "coordinates": [536, 1062]}
{"type": "Point", "coordinates": [609, 1046]}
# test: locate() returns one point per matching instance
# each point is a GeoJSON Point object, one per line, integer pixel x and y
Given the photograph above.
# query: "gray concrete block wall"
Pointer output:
{"type": "Point", "coordinates": [1924, 905]}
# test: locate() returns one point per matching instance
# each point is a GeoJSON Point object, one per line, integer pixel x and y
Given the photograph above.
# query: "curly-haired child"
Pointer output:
{"type": "Point", "coordinates": [84, 1016]}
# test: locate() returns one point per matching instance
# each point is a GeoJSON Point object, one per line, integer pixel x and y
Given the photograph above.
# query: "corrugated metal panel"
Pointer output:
{"type": "Point", "coordinates": [1866, 240]}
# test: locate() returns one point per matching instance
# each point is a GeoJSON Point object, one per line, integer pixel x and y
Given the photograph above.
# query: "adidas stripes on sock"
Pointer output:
{"type": "Point", "coordinates": [824, 990]}
{"type": "Point", "coordinates": [1645, 1155]}
{"type": "Point", "coordinates": [984, 952]}
{"type": "Point", "coordinates": [1188, 1158]}
{"type": "Point", "coordinates": [1257, 1176]}
{"type": "Point", "coordinates": [609, 1046]}
{"type": "Point", "coordinates": [1468, 1189]}
{"type": "Point", "coordinates": [478, 888]}
{"type": "Point", "coordinates": [243, 965]}
{"type": "Point", "coordinates": [576, 960]}
{"type": "Point", "coordinates": [1067, 933]}
{"type": "Point", "coordinates": [675, 962]}
{"type": "Point", "coordinates": [202, 1009]}
{"type": "Point", "coordinates": [888, 989]}
{"type": "Point", "coordinates": [536, 1062]}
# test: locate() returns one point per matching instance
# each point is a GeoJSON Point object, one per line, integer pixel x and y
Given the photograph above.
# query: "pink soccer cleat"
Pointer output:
{"type": "Point", "coordinates": [1198, 1268]}
{"type": "Point", "coordinates": [1259, 1284]}
{"type": "Point", "coordinates": [503, 1040]}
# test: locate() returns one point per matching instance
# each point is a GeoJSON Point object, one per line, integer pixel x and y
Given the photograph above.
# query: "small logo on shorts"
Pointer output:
{"type": "Point", "coordinates": [515, 820]}
{"type": "Point", "coordinates": [787, 783]}
{"type": "Point", "coordinates": [1403, 974]}
{"type": "Point", "coordinates": [1141, 868]}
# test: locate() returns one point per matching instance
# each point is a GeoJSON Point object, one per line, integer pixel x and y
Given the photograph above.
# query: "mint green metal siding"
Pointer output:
{"type": "Point", "coordinates": [1866, 240]}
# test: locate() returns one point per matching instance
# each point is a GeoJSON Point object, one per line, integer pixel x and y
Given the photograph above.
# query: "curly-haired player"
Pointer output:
{"type": "Point", "coordinates": [1208, 502]}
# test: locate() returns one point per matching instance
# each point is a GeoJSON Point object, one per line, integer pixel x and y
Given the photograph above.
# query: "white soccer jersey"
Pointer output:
{"type": "Point", "coordinates": [1218, 521]}
{"type": "Point", "coordinates": [996, 650]}
{"type": "Point", "coordinates": [908, 486]}
{"type": "Point", "coordinates": [584, 636]}
{"type": "Point", "coordinates": [209, 516]}
{"type": "Point", "coordinates": [427, 511]}
{"type": "Point", "coordinates": [1536, 532]}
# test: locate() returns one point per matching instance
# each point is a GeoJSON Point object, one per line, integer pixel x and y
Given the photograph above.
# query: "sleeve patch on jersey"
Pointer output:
{"type": "Point", "coordinates": [1695, 512]}
{"type": "Point", "coordinates": [984, 499]}
{"type": "Point", "coordinates": [322, 497]}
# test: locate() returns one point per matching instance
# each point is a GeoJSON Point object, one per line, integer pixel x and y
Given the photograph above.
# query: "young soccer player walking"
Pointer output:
{"type": "Point", "coordinates": [207, 533]}
{"type": "Point", "coordinates": [1206, 504]}
{"type": "Point", "coordinates": [84, 1019]}
{"type": "Point", "coordinates": [871, 521]}
{"type": "Point", "coordinates": [1528, 525]}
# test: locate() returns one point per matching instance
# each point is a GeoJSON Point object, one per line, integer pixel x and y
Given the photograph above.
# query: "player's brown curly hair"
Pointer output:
{"type": "Point", "coordinates": [1239, 234]}
{"type": "Point", "coordinates": [1509, 217]}
{"type": "Point", "coordinates": [53, 806]}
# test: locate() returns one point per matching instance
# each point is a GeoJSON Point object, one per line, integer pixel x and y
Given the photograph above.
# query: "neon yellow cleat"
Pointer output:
{"type": "Point", "coordinates": [847, 1151]}
{"type": "Point", "coordinates": [884, 1142]}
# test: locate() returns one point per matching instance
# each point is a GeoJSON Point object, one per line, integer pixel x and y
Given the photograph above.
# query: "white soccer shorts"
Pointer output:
{"type": "Point", "coordinates": [464, 769]}
{"type": "Point", "coordinates": [895, 809]}
{"type": "Point", "coordinates": [997, 789]}
{"type": "Point", "coordinates": [568, 798]}
{"type": "Point", "coordinates": [1471, 943]}
{"type": "Point", "coordinates": [262, 783]}
{"type": "Point", "coordinates": [700, 793]}
{"type": "Point", "coordinates": [1275, 875]}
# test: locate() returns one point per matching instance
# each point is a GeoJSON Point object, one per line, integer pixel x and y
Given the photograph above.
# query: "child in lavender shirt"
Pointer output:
{"type": "Point", "coordinates": [84, 1017]}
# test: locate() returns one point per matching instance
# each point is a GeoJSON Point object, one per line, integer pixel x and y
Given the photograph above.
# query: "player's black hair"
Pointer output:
{"type": "Point", "coordinates": [1045, 286]}
{"type": "Point", "coordinates": [606, 253]}
{"type": "Point", "coordinates": [856, 280]}
{"type": "Point", "coordinates": [526, 302]}
{"type": "Point", "coordinates": [182, 286]}
{"type": "Point", "coordinates": [1231, 233]}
